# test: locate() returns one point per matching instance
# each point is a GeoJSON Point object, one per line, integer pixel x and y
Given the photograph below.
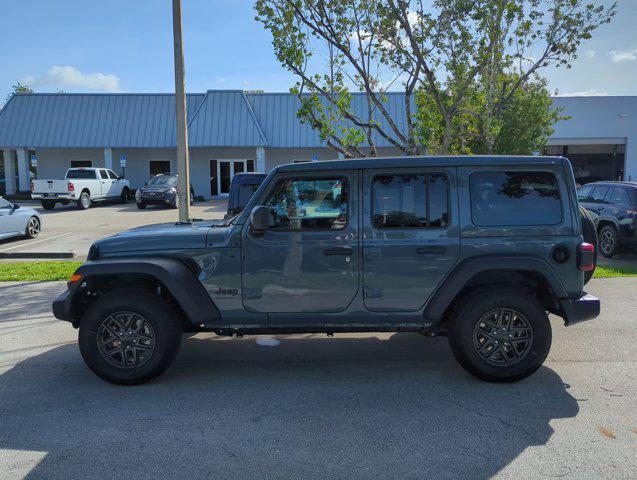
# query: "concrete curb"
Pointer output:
{"type": "Point", "coordinates": [12, 255]}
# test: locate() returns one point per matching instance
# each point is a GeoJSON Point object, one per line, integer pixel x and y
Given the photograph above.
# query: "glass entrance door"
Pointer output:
{"type": "Point", "coordinates": [221, 174]}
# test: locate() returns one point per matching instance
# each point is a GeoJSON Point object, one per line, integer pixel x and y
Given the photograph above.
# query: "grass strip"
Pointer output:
{"type": "Point", "coordinates": [37, 271]}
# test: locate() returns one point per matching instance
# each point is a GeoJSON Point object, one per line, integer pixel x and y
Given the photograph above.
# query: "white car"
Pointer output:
{"type": "Point", "coordinates": [17, 221]}
{"type": "Point", "coordinates": [83, 186]}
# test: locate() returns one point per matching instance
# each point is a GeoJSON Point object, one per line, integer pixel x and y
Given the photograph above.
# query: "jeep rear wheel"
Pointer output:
{"type": "Point", "coordinates": [129, 337]}
{"type": "Point", "coordinates": [500, 335]}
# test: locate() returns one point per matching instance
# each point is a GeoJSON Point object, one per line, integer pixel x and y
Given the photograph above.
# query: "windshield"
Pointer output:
{"type": "Point", "coordinates": [163, 180]}
{"type": "Point", "coordinates": [79, 173]}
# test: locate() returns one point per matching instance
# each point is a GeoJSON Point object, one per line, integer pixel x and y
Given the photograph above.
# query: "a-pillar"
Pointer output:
{"type": "Point", "coordinates": [24, 182]}
{"type": "Point", "coordinates": [9, 172]}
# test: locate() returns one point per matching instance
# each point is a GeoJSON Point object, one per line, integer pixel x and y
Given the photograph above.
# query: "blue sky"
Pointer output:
{"type": "Point", "coordinates": [116, 45]}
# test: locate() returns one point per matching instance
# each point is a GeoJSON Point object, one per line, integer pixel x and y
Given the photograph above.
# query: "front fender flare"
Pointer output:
{"type": "Point", "coordinates": [174, 274]}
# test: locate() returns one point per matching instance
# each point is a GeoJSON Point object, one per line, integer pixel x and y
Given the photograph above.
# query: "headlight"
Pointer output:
{"type": "Point", "coordinates": [172, 191]}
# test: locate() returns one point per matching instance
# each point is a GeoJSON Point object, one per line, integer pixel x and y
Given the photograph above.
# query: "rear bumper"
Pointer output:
{"type": "Point", "coordinates": [53, 196]}
{"type": "Point", "coordinates": [581, 309]}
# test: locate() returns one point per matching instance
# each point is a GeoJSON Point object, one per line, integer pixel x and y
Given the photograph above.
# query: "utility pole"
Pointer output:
{"type": "Point", "coordinates": [183, 168]}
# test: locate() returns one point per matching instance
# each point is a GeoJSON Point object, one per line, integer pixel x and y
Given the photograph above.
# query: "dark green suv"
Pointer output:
{"type": "Point", "coordinates": [479, 249]}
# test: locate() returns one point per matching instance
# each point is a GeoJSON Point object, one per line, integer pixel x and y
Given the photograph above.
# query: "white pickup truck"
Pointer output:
{"type": "Point", "coordinates": [83, 186]}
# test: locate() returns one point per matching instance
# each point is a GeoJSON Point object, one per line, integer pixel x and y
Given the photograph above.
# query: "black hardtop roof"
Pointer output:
{"type": "Point", "coordinates": [421, 161]}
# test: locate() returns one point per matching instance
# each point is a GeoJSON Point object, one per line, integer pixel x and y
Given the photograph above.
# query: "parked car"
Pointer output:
{"type": "Point", "coordinates": [17, 221]}
{"type": "Point", "coordinates": [83, 186]}
{"type": "Point", "coordinates": [161, 190]}
{"type": "Point", "coordinates": [475, 248]}
{"type": "Point", "coordinates": [613, 206]}
{"type": "Point", "coordinates": [242, 188]}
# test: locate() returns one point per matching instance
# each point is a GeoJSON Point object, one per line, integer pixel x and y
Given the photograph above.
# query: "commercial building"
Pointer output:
{"type": "Point", "coordinates": [234, 131]}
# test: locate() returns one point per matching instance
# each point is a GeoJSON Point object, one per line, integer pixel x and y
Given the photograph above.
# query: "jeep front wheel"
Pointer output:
{"type": "Point", "coordinates": [129, 337]}
{"type": "Point", "coordinates": [500, 335]}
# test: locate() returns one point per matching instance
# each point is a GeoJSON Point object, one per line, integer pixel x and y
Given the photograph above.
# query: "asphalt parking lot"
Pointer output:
{"type": "Point", "coordinates": [356, 406]}
{"type": "Point", "coordinates": [66, 229]}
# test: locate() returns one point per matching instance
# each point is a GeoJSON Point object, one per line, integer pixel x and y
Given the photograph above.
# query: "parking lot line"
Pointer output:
{"type": "Point", "coordinates": [36, 241]}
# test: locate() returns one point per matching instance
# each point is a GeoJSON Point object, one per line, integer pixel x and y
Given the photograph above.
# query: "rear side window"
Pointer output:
{"type": "Point", "coordinates": [515, 198]}
{"type": "Point", "coordinates": [410, 201]}
{"type": "Point", "coordinates": [80, 174]}
{"type": "Point", "coordinates": [103, 174]}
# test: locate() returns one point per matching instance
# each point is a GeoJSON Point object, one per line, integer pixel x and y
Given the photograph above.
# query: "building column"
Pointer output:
{"type": "Point", "coordinates": [108, 158]}
{"type": "Point", "coordinates": [9, 172]}
{"type": "Point", "coordinates": [260, 164]}
{"type": "Point", "coordinates": [24, 182]}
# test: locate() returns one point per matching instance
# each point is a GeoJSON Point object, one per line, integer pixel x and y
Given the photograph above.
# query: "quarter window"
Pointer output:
{"type": "Point", "coordinates": [410, 201]}
{"type": "Point", "coordinates": [309, 204]}
{"type": "Point", "coordinates": [515, 198]}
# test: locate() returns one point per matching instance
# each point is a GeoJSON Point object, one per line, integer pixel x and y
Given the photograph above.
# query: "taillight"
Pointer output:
{"type": "Point", "coordinates": [586, 257]}
{"type": "Point", "coordinates": [71, 187]}
{"type": "Point", "coordinates": [32, 188]}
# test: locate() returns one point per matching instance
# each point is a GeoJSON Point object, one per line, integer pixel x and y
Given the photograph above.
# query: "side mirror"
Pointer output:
{"type": "Point", "coordinates": [260, 219]}
{"type": "Point", "coordinates": [15, 206]}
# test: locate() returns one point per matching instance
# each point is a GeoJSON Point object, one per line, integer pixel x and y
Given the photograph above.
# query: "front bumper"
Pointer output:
{"type": "Point", "coordinates": [580, 309]}
{"type": "Point", "coordinates": [62, 306]}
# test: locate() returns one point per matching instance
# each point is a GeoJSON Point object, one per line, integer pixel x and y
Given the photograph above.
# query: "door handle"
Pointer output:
{"type": "Point", "coordinates": [338, 251]}
{"type": "Point", "coordinates": [431, 250]}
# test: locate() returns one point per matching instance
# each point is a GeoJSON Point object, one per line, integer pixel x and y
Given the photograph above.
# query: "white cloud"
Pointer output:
{"type": "Point", "coordinates": [69, 77]}
{"type": "Point", "coordinates": [222, 80]}
{"type": "Point", "coordinates": [590, 53]}
{"type": "Point", "coordinates": [623, 55]}
{"type": "Point", "coordinates": [591, 92]}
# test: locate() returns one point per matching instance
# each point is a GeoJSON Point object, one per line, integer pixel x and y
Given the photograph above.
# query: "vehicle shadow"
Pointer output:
{"type": "Point", "coordinates": [310, 407]}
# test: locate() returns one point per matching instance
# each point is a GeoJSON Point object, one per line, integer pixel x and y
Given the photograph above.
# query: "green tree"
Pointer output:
{"type": "Point", "coordinates": [473, 68]}
{"type": "Point", "coordinates": [19, 88]}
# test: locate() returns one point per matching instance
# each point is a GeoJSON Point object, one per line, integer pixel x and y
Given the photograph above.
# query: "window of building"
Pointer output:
{"type": "Point", "coordinates": [410, 201]}
{"type": "Point", "coordinates": [515, 198]}
{"type": "Point", "coordinates": [309, 204]}
{"type": "Point", "coordinates": [81, 163]}
{"type": "Point", "coordinates": [250, 165]}
{"type": "Point", "coordinates": [158, 167]}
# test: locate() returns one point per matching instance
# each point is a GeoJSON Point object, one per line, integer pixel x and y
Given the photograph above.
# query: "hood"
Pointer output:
{"type": "Point", "coordinates": [161, 236]}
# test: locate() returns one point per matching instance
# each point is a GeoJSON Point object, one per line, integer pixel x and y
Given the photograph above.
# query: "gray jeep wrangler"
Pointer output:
{"type": "Point", "coordinates": [479, 249]}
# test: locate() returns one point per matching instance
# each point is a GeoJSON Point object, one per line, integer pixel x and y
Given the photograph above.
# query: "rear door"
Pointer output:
{"type": "Point", "coordinates": [410, 235]}
{"type": "Point", "coordinates": [106, 183]}
{"type": "Point", "coordinates": [307, 262]}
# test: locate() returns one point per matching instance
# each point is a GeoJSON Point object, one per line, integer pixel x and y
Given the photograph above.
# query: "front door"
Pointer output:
{"type": "Point", "coordinates": [221, 173]}
{"type": "Point", "coordinates": [308, 260]}
{"type": "Point", "coordinates": [411, 236]}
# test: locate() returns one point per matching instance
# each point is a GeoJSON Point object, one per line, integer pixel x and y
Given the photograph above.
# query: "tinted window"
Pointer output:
{"type": "Point", "coordinates": [599, 193]}
{"type": "Point", "coordinates": [103, 174]}
{"type": "Point", "coordinates": [79, 174]}
{"type": "Point", "coordinates": [309, 203]}
{"type": "Point", "coordinates": [515, 198]}
{"type": "Point", "coordinates": [619, 196]}
{"type": "Point", "coordinates": [410, 201]}
{"type": "Point", "coordinates": [584, 193]}
{"type": "Point", "coordinates": [81, 163]}
{"type": "Point", "coordinates": [112, 175]}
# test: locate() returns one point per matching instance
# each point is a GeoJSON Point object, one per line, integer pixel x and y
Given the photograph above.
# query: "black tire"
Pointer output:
{"type": "Point", "coordinates": [123, 198]}
{"type": "Point", "coordinates": [608, 241]}
{"type": "Point", "coordinates": [141, 205]}
{"type": "Point", "coordinates": [175, 203]}
{"type": "Point", "coordinates": [33, 228]}
{"type": "Point", "coordinates": [160, 320]}
{"type": "Point", "coordinates": [48, 204]}
{"type": "Point", "coordinates": [466, 338]}
{"type": "Point", "coordinates": [590, 236]}
{"type": "Point", "coordinates": [84, 202]}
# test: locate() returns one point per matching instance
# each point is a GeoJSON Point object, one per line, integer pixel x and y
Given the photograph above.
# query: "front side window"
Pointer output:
{"type": "Point", "coordinates": [410, 201]}
{"type": "Point", "coordinates": [112, 175]}
{"type": "Point", "coordinates": [584, 193]}
{"type": "Point", "coordinates": [309, 204]}
{"type": "Point", "coordinates": [515, 198]}
{"type": "Point", "coordinates": [4, 203]}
